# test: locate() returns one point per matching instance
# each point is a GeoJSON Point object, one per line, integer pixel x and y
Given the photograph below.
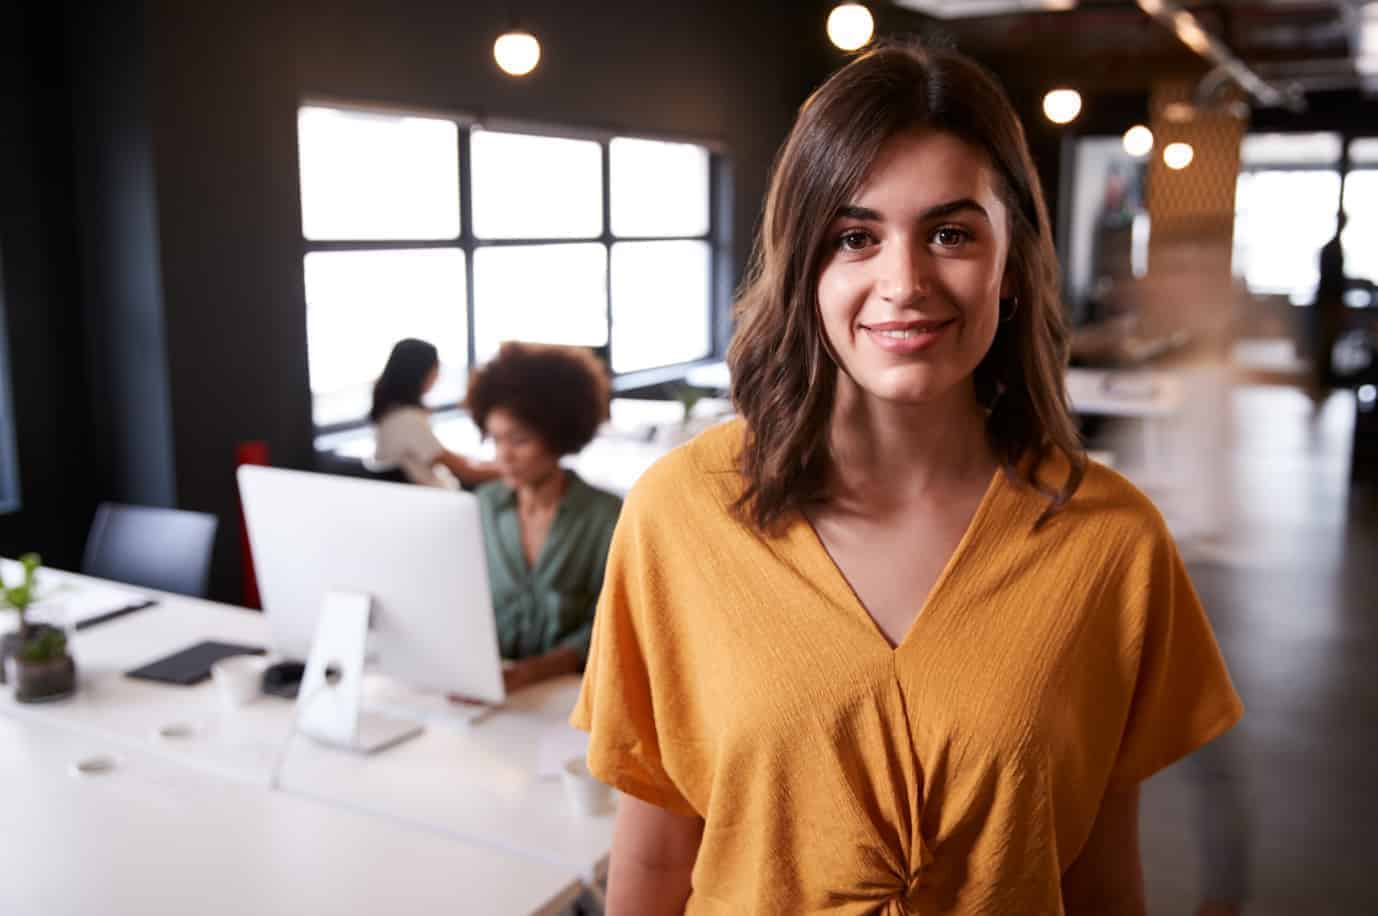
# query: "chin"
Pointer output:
{"type": "Point", "coordinates": [909, 386]}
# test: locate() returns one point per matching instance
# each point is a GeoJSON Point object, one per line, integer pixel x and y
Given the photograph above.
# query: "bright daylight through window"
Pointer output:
{"type": "Point", "coordinates": [540, 250]}
{"type": "Point", "coordinates": [1285, 209]}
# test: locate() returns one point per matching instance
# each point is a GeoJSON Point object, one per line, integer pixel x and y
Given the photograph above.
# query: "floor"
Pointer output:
{"type": "Point", "coordinates": [1282, 808]}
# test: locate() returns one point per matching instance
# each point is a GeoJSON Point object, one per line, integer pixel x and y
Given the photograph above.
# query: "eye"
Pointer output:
{"type": "Point", "coordinates": [854, 240]}
{"type": "Point", "coordinates": [951, 236]}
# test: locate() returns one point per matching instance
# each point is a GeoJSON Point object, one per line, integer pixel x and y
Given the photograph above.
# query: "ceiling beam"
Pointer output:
{"type": "Point", "coordinates": [1188, 29]}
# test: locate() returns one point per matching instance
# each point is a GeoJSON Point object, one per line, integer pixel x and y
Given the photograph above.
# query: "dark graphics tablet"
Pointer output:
{"type": "Point", "coordinates": [192, 665]}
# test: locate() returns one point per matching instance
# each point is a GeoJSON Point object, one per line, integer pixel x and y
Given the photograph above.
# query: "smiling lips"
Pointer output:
{"type": "Point", "coordinates": [905, 337]}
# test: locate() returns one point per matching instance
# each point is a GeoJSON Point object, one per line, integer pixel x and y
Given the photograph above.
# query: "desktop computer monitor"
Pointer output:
{"type": "Point", "coordinates": [416, 552]}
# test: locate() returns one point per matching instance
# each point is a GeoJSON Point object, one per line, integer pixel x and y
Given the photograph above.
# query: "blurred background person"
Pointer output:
{"type": "Point", "coordinates": [405, 439]}
{"type": "Point", "coordinates": [1327, 313]}
{"type": "Point", "coordinates": [547, 531]}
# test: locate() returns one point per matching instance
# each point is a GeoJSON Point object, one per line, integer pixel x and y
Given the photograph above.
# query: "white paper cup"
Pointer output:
{"type": "Point", "coordinates": [238, 679]}
{"type": "Point", "coordinates": [585, 794]}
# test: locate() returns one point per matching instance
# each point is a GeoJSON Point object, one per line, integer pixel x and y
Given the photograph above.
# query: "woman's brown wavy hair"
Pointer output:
{"type": "Point", "coordinates": [783, 375]}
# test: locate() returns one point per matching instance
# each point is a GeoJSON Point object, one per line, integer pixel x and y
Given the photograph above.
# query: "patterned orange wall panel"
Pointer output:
{"type": "Point", "coordinates": [1199, 199]}
{"type": "Point", "coordinates": [1189, 284]}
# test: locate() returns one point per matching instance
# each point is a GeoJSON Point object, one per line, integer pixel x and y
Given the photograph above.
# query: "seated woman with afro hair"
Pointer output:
{"type": "Point", "coordinates": [547, 531]}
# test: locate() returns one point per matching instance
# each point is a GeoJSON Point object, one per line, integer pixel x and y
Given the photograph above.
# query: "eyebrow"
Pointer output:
{"type": "Point", "coordinates": [851, 211]}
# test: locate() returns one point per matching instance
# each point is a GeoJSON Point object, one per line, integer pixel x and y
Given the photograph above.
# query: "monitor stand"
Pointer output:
{"type": "Point", "coordinates": [330, 698]}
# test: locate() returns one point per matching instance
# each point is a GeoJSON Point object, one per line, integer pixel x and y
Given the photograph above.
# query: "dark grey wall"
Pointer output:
{"type": "Point", "coordinates": [225, 81]}
{"type": "Point", "coordinates": [121, 288]}
{"type": "Point", "coordinates": [39, 293]}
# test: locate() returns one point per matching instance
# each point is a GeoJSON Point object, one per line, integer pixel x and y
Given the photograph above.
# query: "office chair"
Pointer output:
{"type": "Point", "coordinates": [166, 549]}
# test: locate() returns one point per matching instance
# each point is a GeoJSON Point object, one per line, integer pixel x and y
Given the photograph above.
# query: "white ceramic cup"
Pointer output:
{"type": "Point", "coordinates": [238, 679]}
{"type": "Point", "coordinates": [585, 794]}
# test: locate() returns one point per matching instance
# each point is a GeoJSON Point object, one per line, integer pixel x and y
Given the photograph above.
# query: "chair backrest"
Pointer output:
{"type": "Point", "coordinates": [166, 549]}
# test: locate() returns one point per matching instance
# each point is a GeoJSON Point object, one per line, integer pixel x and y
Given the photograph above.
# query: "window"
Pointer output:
{"type": "Point", "coordinates": [1286, 202]}
{"type": "Point", "coordinates": [466, 236]}
{"type": "Point", "coordinates": [1360, 236]}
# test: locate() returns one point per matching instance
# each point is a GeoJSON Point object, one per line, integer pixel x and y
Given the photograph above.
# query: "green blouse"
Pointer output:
{"type": "Point", "coordinates": [550, 606]}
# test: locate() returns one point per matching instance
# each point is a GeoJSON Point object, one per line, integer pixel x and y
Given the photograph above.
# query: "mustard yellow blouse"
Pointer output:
{"type": "Point", "coordinates": [736, 677]}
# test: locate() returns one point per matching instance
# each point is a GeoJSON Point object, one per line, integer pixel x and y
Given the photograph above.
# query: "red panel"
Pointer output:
{"type": "Point", "coordinates": [255, 452]}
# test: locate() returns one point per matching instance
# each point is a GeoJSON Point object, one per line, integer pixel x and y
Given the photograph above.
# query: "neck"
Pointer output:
{"type": "Point", "coordinates": [544, 493]}
{"type": "Point", "coordinates": [887, 455]}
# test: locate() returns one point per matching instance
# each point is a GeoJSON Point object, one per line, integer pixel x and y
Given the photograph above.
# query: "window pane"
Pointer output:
{"type": "Point", "coordinates": [541, 293]}
{"type": "Point", "coordinates": [360, 303]}
{"type": "Point", "coordinates": [536, 187]}
{"type": "Point", "coordinates": [1364, 151]}
{"type": "Point", "coordinates": [366, 175]}
{"type": "Point", "coordinates": [1360, 237]}
{"type": "Point", "coordinates": [658, 188]}
{"type": "Point", "coordinates": [660, 304]}
{"type": "Point", "coordinates": [1289, 149]}
{"type": "Point", "coordinates": [1282, 218]}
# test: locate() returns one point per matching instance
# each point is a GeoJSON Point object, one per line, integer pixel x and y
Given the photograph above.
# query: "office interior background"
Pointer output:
{"type": "Point", "coordinates": [215, 219]}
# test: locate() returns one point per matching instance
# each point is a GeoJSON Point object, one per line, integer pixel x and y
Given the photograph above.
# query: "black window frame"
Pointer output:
{"type": "Point", "coordinates": [717, 237]}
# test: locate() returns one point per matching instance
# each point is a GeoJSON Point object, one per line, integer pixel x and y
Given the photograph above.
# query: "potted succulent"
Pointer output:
{"type": "Point", "coordinates": [34, 655]}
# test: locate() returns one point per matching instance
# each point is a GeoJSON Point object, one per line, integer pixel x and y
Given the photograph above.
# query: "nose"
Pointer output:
{"type": "Point", "coordinates": [904, 274]}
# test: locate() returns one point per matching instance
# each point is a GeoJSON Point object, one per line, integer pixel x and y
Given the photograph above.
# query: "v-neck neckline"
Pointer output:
{"type": "Point", "coordinates": [528, 570]}
{"type": "Point", "coordinates": [838, 588]}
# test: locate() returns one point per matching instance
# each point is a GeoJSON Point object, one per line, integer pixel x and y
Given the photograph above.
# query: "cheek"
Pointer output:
{"type": "Point", "coordinates": [839, 297]}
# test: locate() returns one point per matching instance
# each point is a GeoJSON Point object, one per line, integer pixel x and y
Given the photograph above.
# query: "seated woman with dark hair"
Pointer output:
{"type": "Point", "coordinates": [547, 531]}
{"type": "Point", "coordinates": [405, 439]}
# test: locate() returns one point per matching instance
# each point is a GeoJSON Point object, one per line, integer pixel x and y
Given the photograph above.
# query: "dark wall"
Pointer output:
{"type": "Point", "coordinates": [121, 291]}
{"type": "Point", "coordinates": [225, 82]}
{"type": "Point", "coordinates": [1343, 111]}
{"type": "Point", "coordinates": [38, 288]}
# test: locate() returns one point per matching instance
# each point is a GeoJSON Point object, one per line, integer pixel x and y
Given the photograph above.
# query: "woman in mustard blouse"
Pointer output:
{"type": "Point", "coordinates": [546, 530]}
{"type": "Point", "coordinates": [888, 643]}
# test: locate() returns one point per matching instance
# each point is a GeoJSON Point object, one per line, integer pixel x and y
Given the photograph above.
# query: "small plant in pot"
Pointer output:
{"type": "Point", "coordinates": [34, 655]}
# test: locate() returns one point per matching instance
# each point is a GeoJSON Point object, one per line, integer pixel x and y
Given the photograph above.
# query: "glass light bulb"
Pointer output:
{"type": "Point", "coordinates": [1062, 105]}
{"type": "Point", "coordinates": [1178, 156]}
{"type": "Point", "coordinates": [1138, 141]}
{"type": "Point", "coordinates": [517, 53]}
{"type": "Point", "coordinates": [850, 26]}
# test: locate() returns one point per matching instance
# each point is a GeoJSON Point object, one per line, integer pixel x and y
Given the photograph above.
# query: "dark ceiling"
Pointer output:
{"type": "Point", "coordinates": [1113, 45]}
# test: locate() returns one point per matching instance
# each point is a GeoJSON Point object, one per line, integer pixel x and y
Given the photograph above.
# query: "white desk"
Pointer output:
{"type": "Point", "coordinates": [478, 784]}
{"type": "Point", "coordinates": [151, 838]}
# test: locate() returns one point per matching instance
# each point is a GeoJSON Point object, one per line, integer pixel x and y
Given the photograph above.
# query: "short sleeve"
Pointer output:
{"type": "Point", "coordinates": [415, 437]}
{"type": "Point", "coordinates": [625, 679]}
{"type": "Point", "coordinates": [1182, 694]}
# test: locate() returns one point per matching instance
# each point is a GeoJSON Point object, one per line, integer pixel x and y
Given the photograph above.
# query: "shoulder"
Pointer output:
{"type": "Point", "coordinates": [406, 414]}
{"type": "Point", "coordinates": [402, 420]}
{"type": "Point", "coordinates": [492, 495]}
{"type": "Point", "coordinates": [597, 503]}
{"type": "Point", "coordinates": [1106, 515]}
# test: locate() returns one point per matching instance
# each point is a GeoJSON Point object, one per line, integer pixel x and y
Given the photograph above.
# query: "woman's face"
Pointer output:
{"type": "Point", "coordinates": [910, 287]}
{"type": "Point", "coordinates": [432, 376]}
{"type": "Point", "coordinates": [522, 457]}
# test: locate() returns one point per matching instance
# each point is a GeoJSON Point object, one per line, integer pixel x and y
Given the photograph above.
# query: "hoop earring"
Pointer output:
{"type": "Point", "coordinates": [1008, 307]}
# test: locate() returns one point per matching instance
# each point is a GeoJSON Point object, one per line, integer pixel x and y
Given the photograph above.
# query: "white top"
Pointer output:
{"type": "Point", "coordinates": [405, 439]}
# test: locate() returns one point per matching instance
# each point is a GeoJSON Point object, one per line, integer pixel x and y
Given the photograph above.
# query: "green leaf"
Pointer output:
{"type": "Point", "coordinates": [18, 597]}
{"type": "Point", "coordinates": [30, 561]}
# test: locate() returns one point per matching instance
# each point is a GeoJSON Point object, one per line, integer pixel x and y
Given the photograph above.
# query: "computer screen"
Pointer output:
{"type": "Point", "coordinates": [416, 551]}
